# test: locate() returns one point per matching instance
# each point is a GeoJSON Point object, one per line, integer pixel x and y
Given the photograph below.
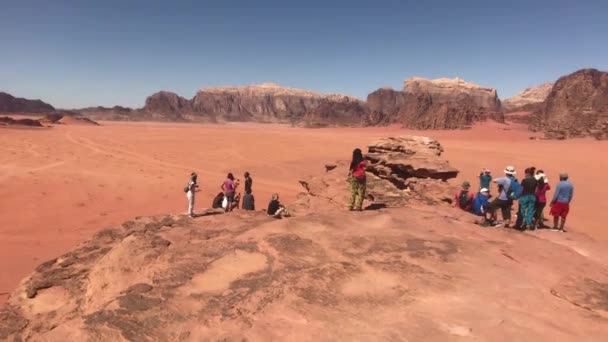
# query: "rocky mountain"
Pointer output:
{"type": "Point", "coordinates": [410, 267]}
{"type": "Point", "coordinates": [436, 104]}
{"type": "Point", "coordinates": [528, 100]}
{"type": "Point", "coordinates": [266, 102]}
{"type": "Point", "coordinates": [577, 106]}
{"type": "Point", "coordinates": [11, 104]}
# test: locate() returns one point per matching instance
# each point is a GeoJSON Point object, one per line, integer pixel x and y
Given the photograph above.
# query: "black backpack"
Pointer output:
{"type": "Point", "coordinates": [463, 199]}
{"type": "Point", "coordinates": [187, 187]}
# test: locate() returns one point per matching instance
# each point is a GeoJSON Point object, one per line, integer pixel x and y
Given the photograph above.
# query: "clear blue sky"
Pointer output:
{"type": "Point", "coordinates": [83, 53]}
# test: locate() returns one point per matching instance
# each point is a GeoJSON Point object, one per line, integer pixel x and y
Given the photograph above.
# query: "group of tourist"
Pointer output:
{"type": "Point", "coordinates": [531, 195]}
{"type": "Point", "coordinates": [229, 198]}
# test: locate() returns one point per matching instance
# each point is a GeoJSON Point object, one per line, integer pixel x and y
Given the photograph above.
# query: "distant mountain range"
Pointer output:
{"type": "Point", "coordinates": [421, 104]}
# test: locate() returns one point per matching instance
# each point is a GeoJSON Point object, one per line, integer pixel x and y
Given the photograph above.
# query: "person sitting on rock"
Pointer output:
{"type": "Point", "coordinates": [357, 180]}
{"type": "Point", "coordinates": [217, 201]}
{"type": "Point", "coordinates": [276, 209]}
{"type": "Point", "coordinates": [481, 204]}
{"type": "Point", "coordinates": [464, 197]}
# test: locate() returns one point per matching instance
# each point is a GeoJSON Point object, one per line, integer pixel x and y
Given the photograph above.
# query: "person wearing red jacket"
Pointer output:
{"type": "Point", "coordinates": [464, 197]}
{"type": "Point", "coordinates": [357, 180]}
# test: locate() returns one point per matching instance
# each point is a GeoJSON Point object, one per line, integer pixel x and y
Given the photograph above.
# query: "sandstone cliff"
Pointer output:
{"type": "Point", "coordinates": [266, 102]}
{"type": "Point", "coordinates": [437, 104]}
{"type": "Point", "coordinates": [11, 104]}
{"type": "Point", "coordinates": [577, 106]}
{"type": "Point", "coordinates": [529, 99]}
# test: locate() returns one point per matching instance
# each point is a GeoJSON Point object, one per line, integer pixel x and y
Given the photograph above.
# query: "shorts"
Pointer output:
{"type": "Point", "coordinates": [504, 205]}
{"type": "Point", "coordinates": [560, 209]}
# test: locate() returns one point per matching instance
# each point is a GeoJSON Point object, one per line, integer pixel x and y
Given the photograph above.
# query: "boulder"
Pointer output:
{"type": "Point", "coordinates": [577, 106]}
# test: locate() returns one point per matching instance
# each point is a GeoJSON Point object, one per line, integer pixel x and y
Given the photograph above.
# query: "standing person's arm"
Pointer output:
{"type": "Point", "coordinates": [571, 194]}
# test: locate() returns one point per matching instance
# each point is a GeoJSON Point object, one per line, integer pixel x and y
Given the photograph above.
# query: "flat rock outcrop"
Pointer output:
{"type": "Point", "coordinates": [436, 104]}
{"type": "Point", "coordinates": [577, 106]}
{"type": "Point", "coordinates": [11, 104]}
{"type": "Point", "coordinates": [529, 99]}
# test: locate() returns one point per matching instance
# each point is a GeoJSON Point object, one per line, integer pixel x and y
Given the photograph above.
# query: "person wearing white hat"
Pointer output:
{"type": "Point", "coordinates": [508, 190]}
{"type": "Point", "coordinates": [481, 204]}
{"type": "Point", "coordinates": [541, 198]}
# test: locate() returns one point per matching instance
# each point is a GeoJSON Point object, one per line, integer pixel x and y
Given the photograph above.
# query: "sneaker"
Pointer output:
{"type": "Point", "coordinates": [499, 224]}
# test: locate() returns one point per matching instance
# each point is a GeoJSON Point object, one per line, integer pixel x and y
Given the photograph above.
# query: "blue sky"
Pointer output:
{"type": "Point", "coordinates": [83, 53]}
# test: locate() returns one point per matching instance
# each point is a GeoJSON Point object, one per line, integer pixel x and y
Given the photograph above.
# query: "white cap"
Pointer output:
{"type": "Point", "coordinates": [484, 190]}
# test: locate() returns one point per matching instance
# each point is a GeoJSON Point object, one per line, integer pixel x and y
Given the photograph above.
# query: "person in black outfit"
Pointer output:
{"type": "Point", "coordinates": [527, 201]}
{"type": "Point", "coordinates": [248, 183]}
{"type": "Point", "coordinates": [217, 201]}
{"type": "Point", "coordinates": [276, 209]}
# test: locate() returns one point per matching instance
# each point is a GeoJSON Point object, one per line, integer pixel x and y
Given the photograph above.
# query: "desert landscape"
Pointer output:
{"type": "Point", "coordinates": [64, 184]}
{"type": "Point", "coordinates": [96, 243]}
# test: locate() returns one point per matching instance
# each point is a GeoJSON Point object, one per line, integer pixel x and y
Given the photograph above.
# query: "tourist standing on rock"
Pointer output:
{"type": "Point", "coordinates": [248, 183]}
{"type": "Point", "coordinates": [541, 198]}
{"type": "Point", "coordinates": [358, 180]}
{"type": "Point", "coordinates": [485, 178]}
{"type": "Point", "coordinates": [228, 187]}
{"type": "Point", "coordinates": [248, 201]}
{"type": "Point", "coordinates": [191, 189]}
{"type": "Point", "coordinates": [508, 188]}
{"type": "Point", "coordinates": [560, 205]}
{"type": "Point", "coordinates": [527, 200]}
{"type": "Point", "coordinates": [464, 197]}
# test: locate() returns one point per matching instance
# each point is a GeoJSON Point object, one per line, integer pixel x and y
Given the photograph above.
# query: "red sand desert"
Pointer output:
{"type": "Point", "coordinates": [61, 185]}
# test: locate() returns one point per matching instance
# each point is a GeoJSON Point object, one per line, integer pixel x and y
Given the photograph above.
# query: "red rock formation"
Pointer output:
{"type": "Point", "coordinates": [436, 104]}
{"type": "Point", "coordinates": [11, 104]}
{"type": "Point", "coordinates": [577, 106]}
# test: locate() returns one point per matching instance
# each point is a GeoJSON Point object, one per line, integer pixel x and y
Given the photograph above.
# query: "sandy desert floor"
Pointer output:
{"type": "Point", "coordinates": [60, 185]}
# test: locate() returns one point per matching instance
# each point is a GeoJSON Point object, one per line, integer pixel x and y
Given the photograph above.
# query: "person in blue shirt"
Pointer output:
{"type": "Point", "coordinates": [560, 204]}
{"type": "Point", "coordinates": [481, 204]}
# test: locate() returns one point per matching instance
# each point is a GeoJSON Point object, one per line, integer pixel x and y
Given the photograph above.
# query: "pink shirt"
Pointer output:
{"type": "Point", "coordinates": [228, 186]}
{"type": "Point", "coordinates": [541, 194]}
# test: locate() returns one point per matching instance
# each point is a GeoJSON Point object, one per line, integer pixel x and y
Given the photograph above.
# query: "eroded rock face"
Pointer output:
{"type": "Point", "coordinates": [7, 121]}
{"type": "Point", "coordinates": [11, 104]}
{"type": "Point", "coordinates": [529, 99]}
{"type": "Point", "coordinates": [401, 170]}
{"type": "Point", "coordinates": [168, 105]}
{"type": "Point", "coordinates": [437, 104]}
{"type": "Point", "coordinates": [577, 106]}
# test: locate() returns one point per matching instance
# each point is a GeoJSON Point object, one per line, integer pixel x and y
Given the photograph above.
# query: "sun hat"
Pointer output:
{"type": "Point", "coordinates": [484, 190]}
{"type": "Point", "coordinates": [510, 170]}
{"type": "Point", "coordinates": [466, 185]}
{"type": "Point", "coordinates": [563, 175]}
{"type": "Point", "coordinates": [486, 170]}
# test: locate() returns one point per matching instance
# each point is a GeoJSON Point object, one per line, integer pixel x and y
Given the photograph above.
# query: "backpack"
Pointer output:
{"type": "Point", "coordinates": [187, 187]}
{"type": "Point", "coordinates": [463, 199]}
{"type": "Point", "coordinates": [514, 190]}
